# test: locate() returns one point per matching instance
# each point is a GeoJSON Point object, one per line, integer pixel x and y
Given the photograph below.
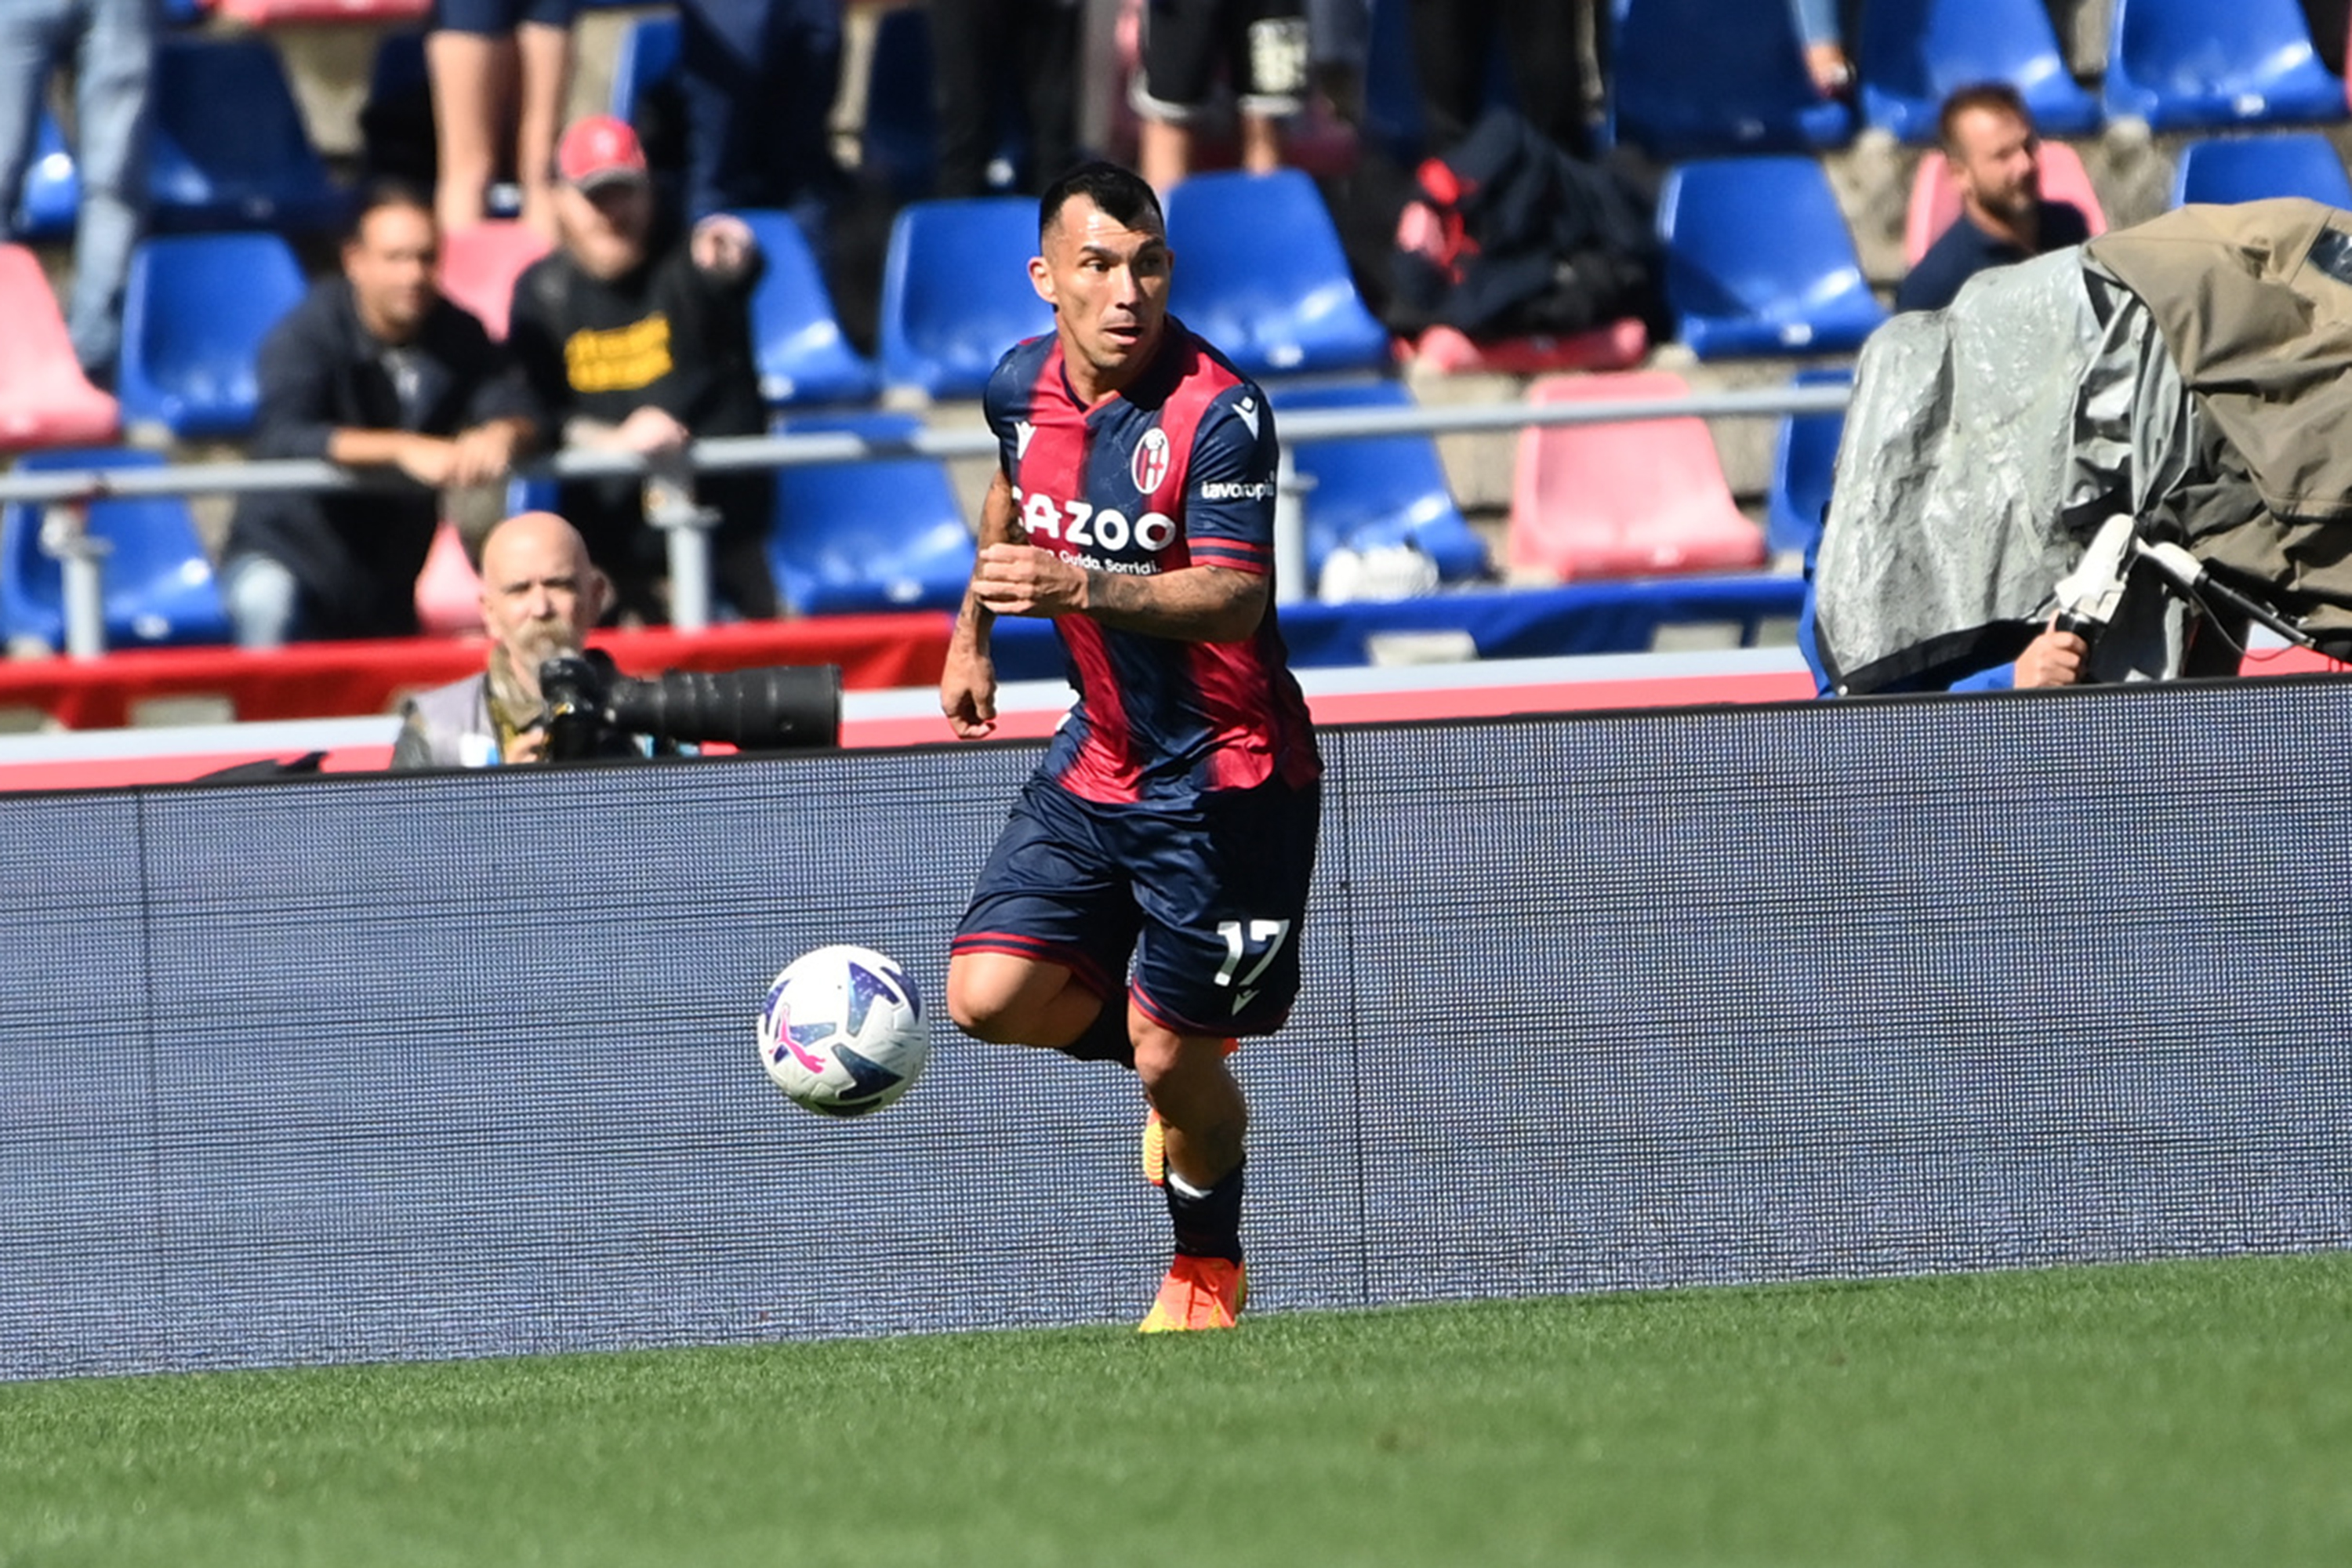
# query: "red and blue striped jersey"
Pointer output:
{"type": "Point", "coordinates": [1177, 470]}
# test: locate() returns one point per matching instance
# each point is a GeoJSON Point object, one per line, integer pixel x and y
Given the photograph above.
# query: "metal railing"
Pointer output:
{"type": "Point", "coordinates": [65, 493]}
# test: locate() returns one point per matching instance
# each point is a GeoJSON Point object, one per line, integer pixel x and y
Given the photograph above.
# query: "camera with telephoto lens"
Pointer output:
{"type": "Point", "coordinates": [593, 710]}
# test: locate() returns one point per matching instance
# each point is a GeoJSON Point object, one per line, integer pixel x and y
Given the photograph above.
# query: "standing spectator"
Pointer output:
{"type": "Point", "coordinates": [495, 63]}
{"type": "Point", "coordinates": [759, 79]}
{"type": "Point", "coordinates": [1260, 44]}
{"type": "Point", "coordinates": [1822, 29]}
{"type": "Point", "coordinates": [983, 52]}
{"type": "Point", "coordinates": [637, 341]}
{"type": "Point", "coordinates": [112, 46]}
{"type": "Point", "coordinates": [1995, 161]}
{"type": "Point", "coordinates": [1453, 40]}
{"type": "Point", "coordinates": [374, 369]}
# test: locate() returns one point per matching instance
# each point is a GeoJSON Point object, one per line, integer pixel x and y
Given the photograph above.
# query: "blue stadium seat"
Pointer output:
{"type": "Point", "coordinates": [803, 357]}
{"type": "Point", "coordinates": [861, 537]}
{"type": "Point", "coordinates": [2251, 168]}
{"type": "Point", "coordinates": [1805, 459]}
{"type": "Point", "coordinates": [646, 56]}
{"type": "Point", "coordinates": [159, 582]}
{"type": "Point", "coordinates": [1913, 54]}
{"type": "Point", "coordinates": [1371, 491]}
{"type": "Point", "coordinates": [193, 319]}
{"type": "Point", "coordinates": [1695, 78]}
{"type": "Point", "coordinates": [1758, 260]}
{"type": "Point", "coordinates": [230, 149]}
{"type": "Point", "coordinates": [52, 194]}
{"type": "Point", "coordinates": [2183, 64]}
{"type": "Point", "coordinates": [1261, 274]}
{"type": "Point", "coordinates": [956, 293]}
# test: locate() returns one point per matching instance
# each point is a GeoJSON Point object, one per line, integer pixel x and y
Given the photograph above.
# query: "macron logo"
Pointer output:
{"type": "Point", "coordinates": [1022, 431]}
{"type": "Point", "coordinates": [1246, 411]}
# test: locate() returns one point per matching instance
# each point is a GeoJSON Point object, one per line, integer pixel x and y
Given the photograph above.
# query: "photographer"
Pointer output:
{"type": "Point", "coordinates": [540, 596]}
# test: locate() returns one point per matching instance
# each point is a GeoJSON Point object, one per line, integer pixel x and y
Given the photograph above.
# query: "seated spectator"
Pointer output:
{"type": "Point", "coordinates": [112, 46]}
{"type": "Point", "coordinates": [1988, 138]}
{"type": "Point", "coordinates": [374, 369]}
{"type": "Point", "coordinates": [1262, 47]}
{"type": "Point", "coordinates": [494, 63]}
{"type": "Point", "coordinates": [541, 596]}
{"type": "Point", "coordinates": [638, 340]}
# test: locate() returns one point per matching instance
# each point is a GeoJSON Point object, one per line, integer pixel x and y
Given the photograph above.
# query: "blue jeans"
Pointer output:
{"type": "Point", "coordinates": [112, 46]}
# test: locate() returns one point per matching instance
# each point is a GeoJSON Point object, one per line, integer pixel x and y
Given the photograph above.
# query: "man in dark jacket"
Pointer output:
{"type": "Point", "coordinates": [376, 369]}
{"type": "Point", "coordinates": [1995, 161]}
{"type": "Point", "coordinates": [640, 342]}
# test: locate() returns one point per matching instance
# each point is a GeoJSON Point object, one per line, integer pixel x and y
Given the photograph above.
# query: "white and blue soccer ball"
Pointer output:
{"type": "Point", "coordinates": [842, 1031]}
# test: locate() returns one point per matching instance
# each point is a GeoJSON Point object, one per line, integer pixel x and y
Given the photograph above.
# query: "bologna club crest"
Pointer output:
{"type": "Point", "coordinates": [1149, 466]}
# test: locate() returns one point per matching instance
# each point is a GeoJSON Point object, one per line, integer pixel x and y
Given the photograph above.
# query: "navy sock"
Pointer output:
{"type": "Point", "coordinates": [1106, 1039]}
{"type": "Point", "coordinates": [1208, 1224]}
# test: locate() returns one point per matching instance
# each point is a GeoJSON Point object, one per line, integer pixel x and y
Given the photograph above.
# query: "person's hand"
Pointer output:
{"type": "Point", "coordinates": [1023, 579]}
{"type": "Point", "coordinates": [482, 454]}
{"type": "Point", "coordinates": [428, 459]}
{"type": "Point", "coordinates": [1832, 74]}
{"type": "Point", "coordinates": [648, 430]}
{"type": "Point", "coordinates": [529, 746]}
{"type": "Point", "coordinates": [2053, 658]}
{"type": "Point", "coordinates": [723, 246]}
{"type": "Point", "coordinates": [968, 691]}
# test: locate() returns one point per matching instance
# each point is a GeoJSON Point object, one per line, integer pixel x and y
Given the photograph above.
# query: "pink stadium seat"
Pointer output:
{"type": "Point", "coordinates": [1935, 201]}
{"type": "Point", "coordinates": [44, 399]}
{"type": "Point", "coordinates": [448, 590]}
{"type": "Point", "coordinates": [272, 12]}
{"type": "Point", "coordinates": [479, 265]}
{"type": "Point", "coordinates": [1623, 500]}
{"type": "Point", "coordinates": [1620, 345]}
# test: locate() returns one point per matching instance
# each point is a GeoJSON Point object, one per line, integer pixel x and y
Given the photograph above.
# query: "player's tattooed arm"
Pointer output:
{"type": "Point", "coordinates": [968, 684]}
{"type": "Point", "coordinates": [1192, 604]}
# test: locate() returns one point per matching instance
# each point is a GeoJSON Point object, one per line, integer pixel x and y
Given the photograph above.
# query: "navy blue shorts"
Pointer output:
{"type": "Point", "coordinates": [1207, 901]}
{"type": "Point", "coordinates": [497, 18]}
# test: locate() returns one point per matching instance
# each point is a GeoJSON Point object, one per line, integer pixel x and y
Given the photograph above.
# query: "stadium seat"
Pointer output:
{"type": "Point", "coordinates": [803, 357]}
{"type": "Point", "coordinates": [2251, 168]}
{"type": "Point", "coordinates": [2180, 65]}
{"type": "Point", "coordinates": [1696, 78]}
{"type": "Point", "coordinates": [1443, 350]}
{"type": "Point", "coordinates": [194, 315]}
{"type": "Point", "coordinates": [864, 536]}
{"type": "Point", "coordinates": [44, 399]}
{"type": "Point", "coordinates": [1804, 457]}
{"type": "Point", "coordinates": [1371, 491]}
{"type": "Point", "coordinates": [1935, 200]}
{"type": "Point", "coordinates": [158, 580]}
{"type": "Point", "coordinates": [52, 194]}
{"type": "Point", "coordinates": [481, 263]}
{"type": "Point", "coordinates": [1913, 54]}
{"type": "Point", "coordinates": [230, 149]}
{"type": "Point", "coordinates": [1758, 260]}
{"type": "Point", "coordinates": [1260, 273]}
{"type": "Point", "coordinates": [448, 589]}
{"type": "Point", "coordinates": [646, 56]}
{"type": "Point", "coordinates": [1625, 498]}
{"type": "Point", "coordinates": [956, 293]}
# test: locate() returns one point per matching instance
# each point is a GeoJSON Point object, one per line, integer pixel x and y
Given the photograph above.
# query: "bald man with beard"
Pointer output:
{"type": "Point", "coordinates": [540, 594]}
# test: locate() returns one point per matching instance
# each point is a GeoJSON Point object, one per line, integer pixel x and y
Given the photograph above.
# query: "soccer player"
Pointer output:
{"type": "Point", "coordinates": [1172, 824]}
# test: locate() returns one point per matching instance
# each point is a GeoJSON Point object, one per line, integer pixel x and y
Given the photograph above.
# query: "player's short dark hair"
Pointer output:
{"type": "Point", "coordinates": [1997, 96]}
{"type": "Point", "coordinates": [380, 193]}
{"type": "Point", "coordinates": [1120, 192]}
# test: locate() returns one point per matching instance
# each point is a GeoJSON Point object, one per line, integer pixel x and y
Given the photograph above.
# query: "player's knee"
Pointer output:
{"type": "Point", "coordinates": [993, 1001]}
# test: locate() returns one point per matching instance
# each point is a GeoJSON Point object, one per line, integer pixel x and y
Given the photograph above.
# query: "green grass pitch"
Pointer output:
{"type": "Point", "coordinates": [2176, 1413]}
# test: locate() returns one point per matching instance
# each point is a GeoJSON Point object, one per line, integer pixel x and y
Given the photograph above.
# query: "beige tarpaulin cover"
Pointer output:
{"type": "Point", "coordinates": [2190, 371]}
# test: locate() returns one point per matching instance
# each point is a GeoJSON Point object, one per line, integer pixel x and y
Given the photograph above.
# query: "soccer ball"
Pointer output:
{"type": "Point", "coordinates": [842, 1031]}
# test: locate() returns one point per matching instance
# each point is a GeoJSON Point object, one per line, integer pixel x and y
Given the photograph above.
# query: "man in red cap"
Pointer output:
{"type": "Point", "coordinates": [639, 340]}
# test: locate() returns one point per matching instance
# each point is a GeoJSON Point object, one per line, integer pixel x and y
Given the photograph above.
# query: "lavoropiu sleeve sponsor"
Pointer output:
{"type": "Point", "coordinates": [1230, 493]}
